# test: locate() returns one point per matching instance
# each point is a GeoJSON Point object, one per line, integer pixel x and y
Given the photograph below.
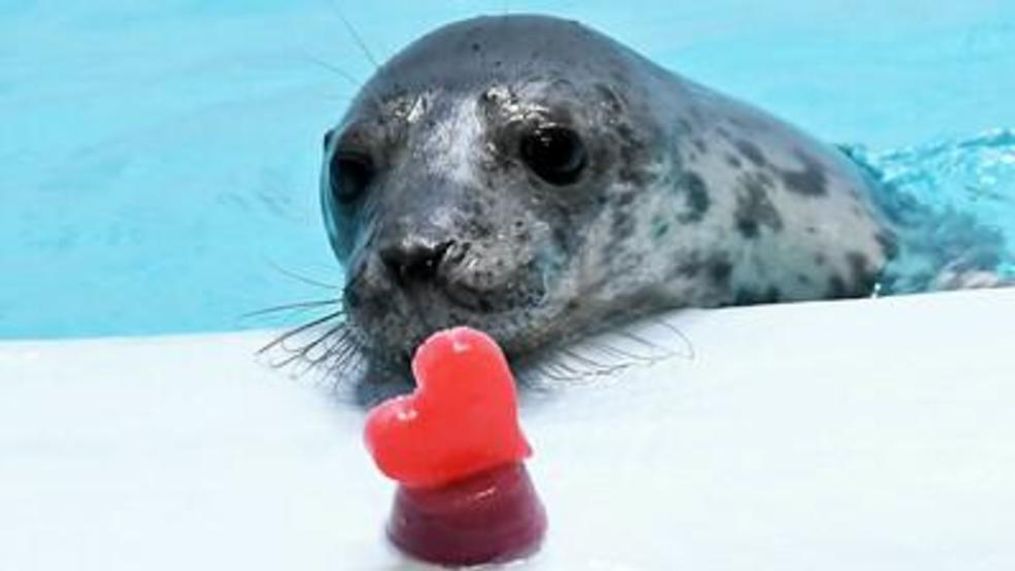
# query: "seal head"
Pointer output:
{"type": "Point", "coordinates": [534, 179]}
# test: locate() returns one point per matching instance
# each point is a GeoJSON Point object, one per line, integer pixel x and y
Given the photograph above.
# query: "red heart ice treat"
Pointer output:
{"type": "Point", "coordinates": [454, 445]}
{"type": "Point", "coordinates": [492, 517]}
{"type": "Point", "coordinates": [461, 420]}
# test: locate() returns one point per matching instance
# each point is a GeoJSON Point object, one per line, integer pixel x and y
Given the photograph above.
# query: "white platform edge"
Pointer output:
{"type": "Point", "coordinates": [874, 434]}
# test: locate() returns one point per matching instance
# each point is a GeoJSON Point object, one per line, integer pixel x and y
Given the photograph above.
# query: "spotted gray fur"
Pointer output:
{"type": "Point", "coordinates": [687, 197]}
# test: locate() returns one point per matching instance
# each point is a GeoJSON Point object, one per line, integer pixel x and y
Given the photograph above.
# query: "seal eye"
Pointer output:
{"type": "Point", "coordinates": [554, 153]}
{"type": "Point", "coordinates": [350, 174]}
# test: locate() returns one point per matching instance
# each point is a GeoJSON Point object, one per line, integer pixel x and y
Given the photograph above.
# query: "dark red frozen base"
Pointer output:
{"type": "Point", "coordinates": [494, 516]}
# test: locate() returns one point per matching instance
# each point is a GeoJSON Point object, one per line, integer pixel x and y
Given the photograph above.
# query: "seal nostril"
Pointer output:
{"type": "Point", "coordinates": [412, 261]}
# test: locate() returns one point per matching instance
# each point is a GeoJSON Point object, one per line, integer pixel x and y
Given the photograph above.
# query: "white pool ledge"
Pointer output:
{"type": "Point", "coordinates": [847, 435]}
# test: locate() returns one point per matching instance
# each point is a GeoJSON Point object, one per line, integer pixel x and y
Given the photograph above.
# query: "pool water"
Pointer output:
{"type": "Point", "coordinates": [158, 162]}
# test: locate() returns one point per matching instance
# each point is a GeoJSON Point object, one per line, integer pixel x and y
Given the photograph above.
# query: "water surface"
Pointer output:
{"type": "Point", "coordinates": [158, 160]}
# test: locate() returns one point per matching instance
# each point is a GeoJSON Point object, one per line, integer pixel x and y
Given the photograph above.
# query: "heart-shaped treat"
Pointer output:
{"type": "Point", "coordinates": [462, 418]}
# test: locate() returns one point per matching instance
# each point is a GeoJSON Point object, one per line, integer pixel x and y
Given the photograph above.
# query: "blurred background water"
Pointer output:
{"type": "Point", "coordinates": [158, 160]}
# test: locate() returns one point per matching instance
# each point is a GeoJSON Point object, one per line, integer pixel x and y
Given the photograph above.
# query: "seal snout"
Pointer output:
{"type": "Point", "coordinates": [415, 260]}
{"type": "Point", "coordinates": [417, 265]}
{"type": "Point", "coordinates": [445, 277]}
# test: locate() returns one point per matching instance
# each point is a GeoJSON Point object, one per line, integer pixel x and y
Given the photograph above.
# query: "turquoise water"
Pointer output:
{"type": "Point", "coordinates": [158, 164]}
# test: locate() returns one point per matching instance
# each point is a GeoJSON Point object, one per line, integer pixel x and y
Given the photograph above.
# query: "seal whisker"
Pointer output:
{"type": "Point", "coordinates": [334, 351]}
{"type": "Point", "coordinates": [295, 355]}
{"type": "Point", "coordinates": [343, 357]}
{"type": "Point", "coordinates": [571, 372]}
{"type": "Point", "coordinates": [692, 354]}
{"type": "Point", "coordinates": [356, 37]}
{"type": "Point", "coordinates": [300, 329]}
{"type": "Point", "coordinates": [353, 80]}
{"type": "Point", "coordinates": [623, 361]}
{"type": "Point", "coordinates": [610, 349]}
{"type": "Point", "coordinates": [298, 306]}
{"type": "Point", "coordinates": [638, 339]}
{"type": "Point", "coordinates": [596, 368]}
{"type": "Point", "coordinates": [350, 356]}
{"type": "Point", "coordinates": [572, 354]}
{"type": "Point", "coordinates": [339, 343]}
{"type": "Point", "coordinates": [304, 352]}
{"type": "Point", "coordinates": [543, 370]}
{"type": "Point", "coordinates": [566, 368]}
{"type": "Point", "coordinates": [301, 278]}
{"type": "Point", "coordinates": [350, 78]}
{"type": "Point", "coordinates": [338, 357]}
{"type": "Point", "coordinates": [635, 329]}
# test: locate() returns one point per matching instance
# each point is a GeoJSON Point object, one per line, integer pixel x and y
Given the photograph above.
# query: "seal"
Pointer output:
{"type": "Point", "coordinates": [532, 178]}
